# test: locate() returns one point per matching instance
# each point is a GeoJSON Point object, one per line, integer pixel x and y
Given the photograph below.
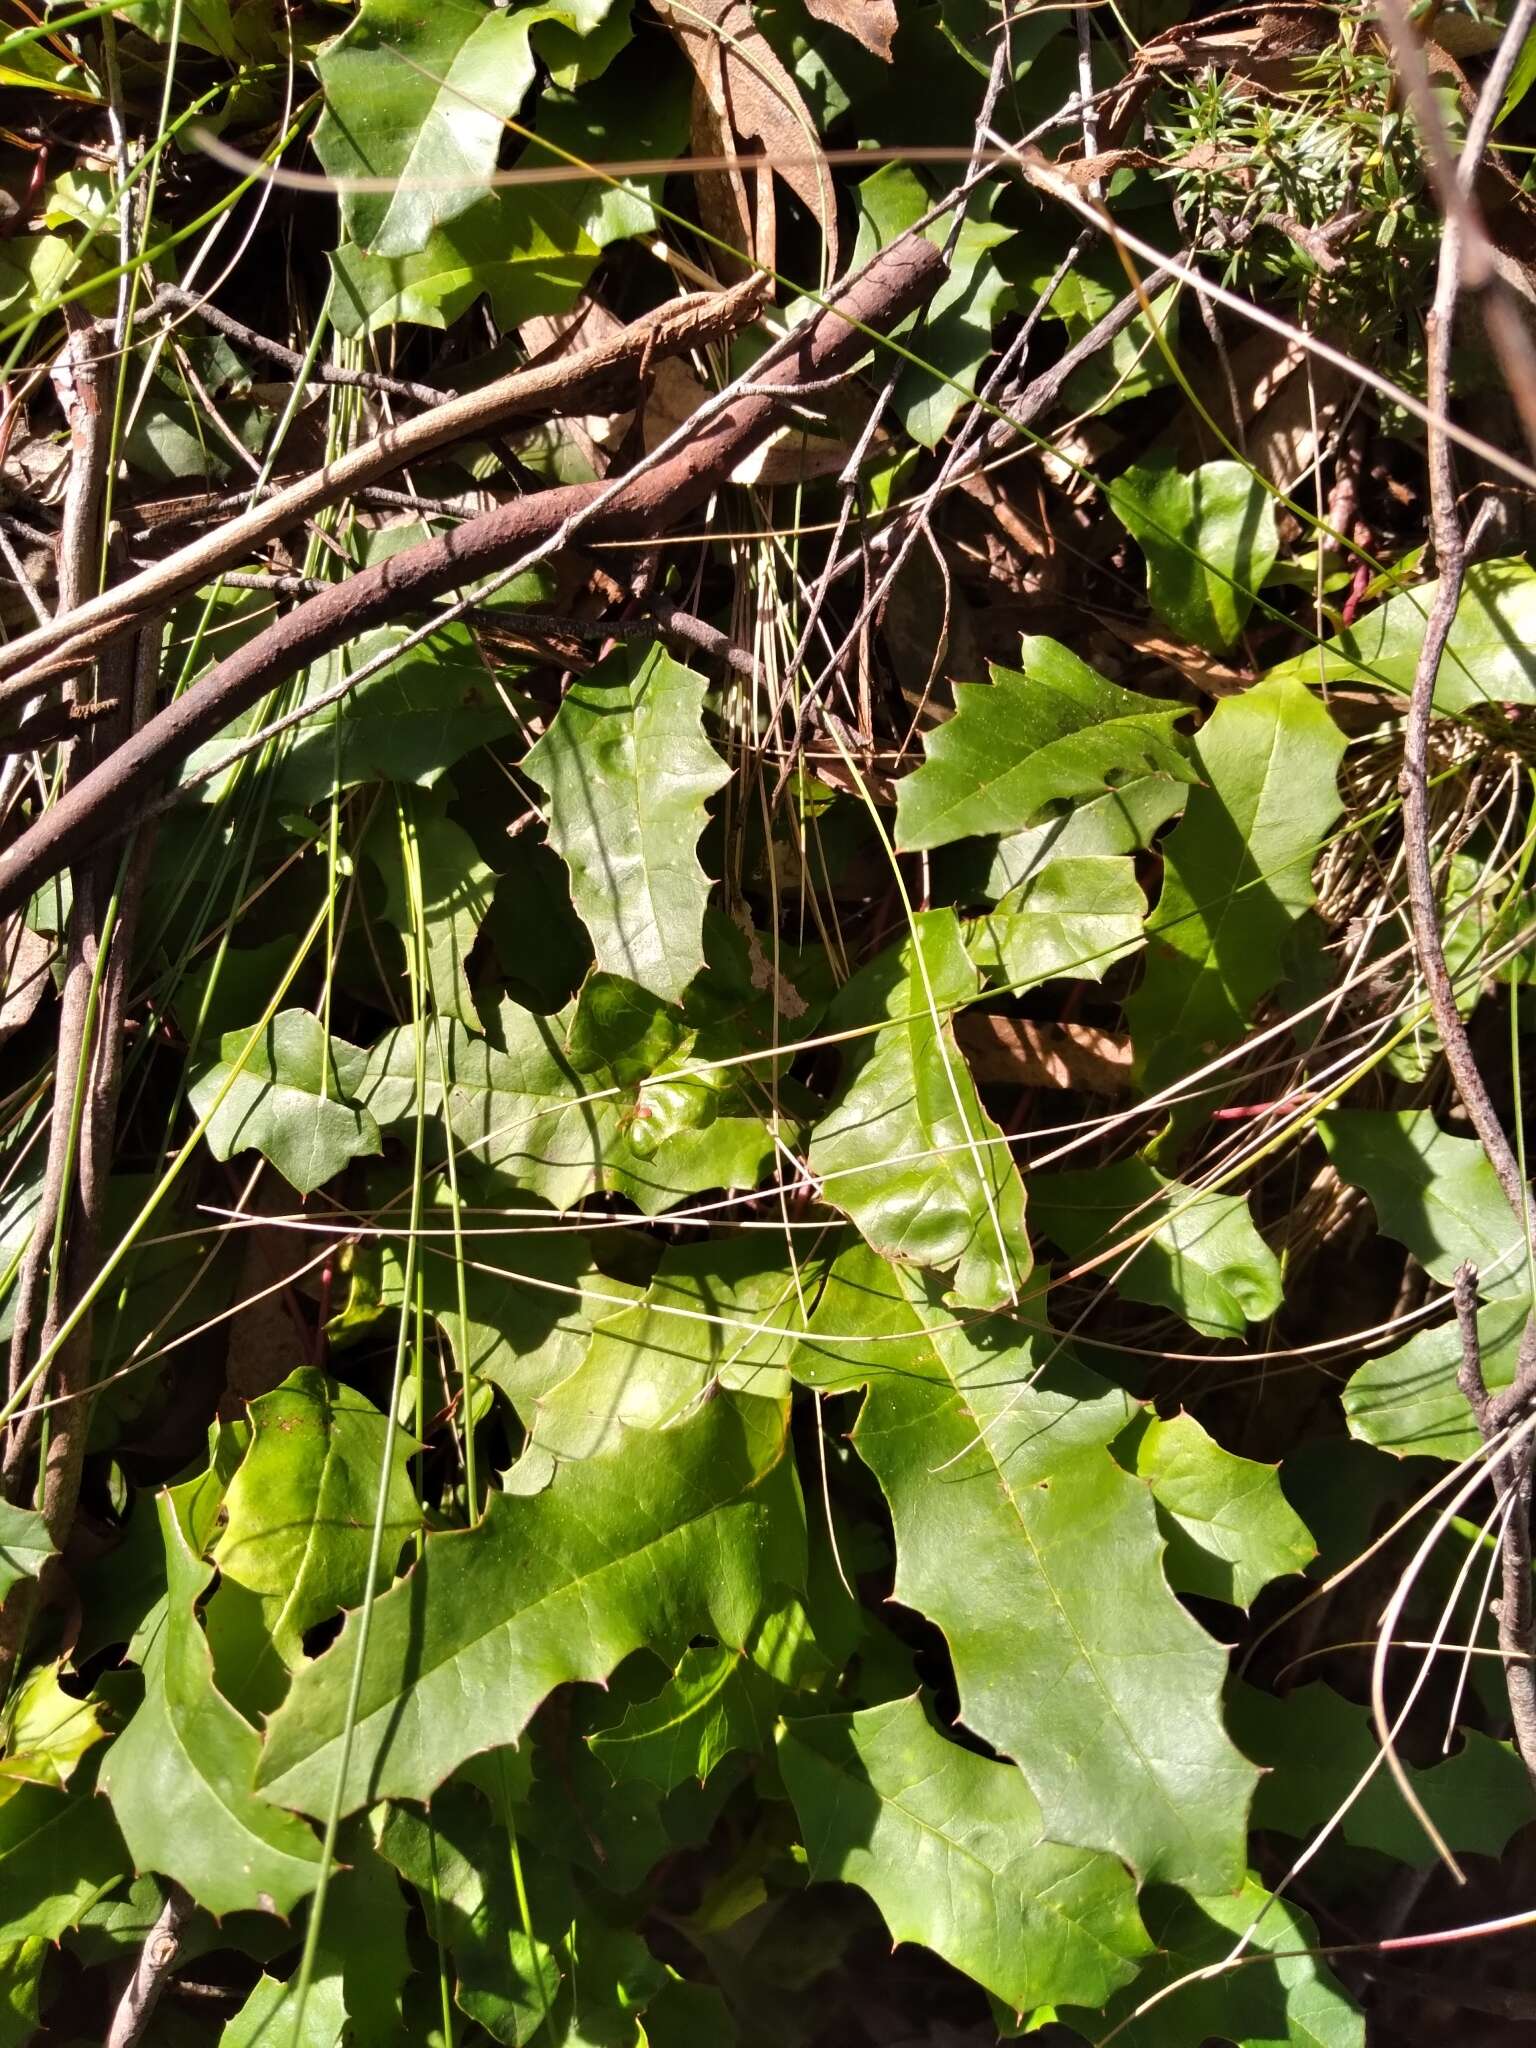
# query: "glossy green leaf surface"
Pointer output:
{"type": "Point", "coordinates": [181, 1775]}
{"type": "Point", "coordinates": [1229, 1527]}
{"type": "Point", "coordinates": [294, 1100]}
{"type": "Point", "coordinates": [1407, 1400]}
{"type": "Point", "coordinates": [1436, 1194]}
{"type": "Point", "coordinates": [949, 1846]}
{"type": "Point", "coordinates": [1098, 1685]}
{"type": "Point", "coordinates": [24, 1545]}
{"type": "Point", "coordinates": [1050, 730]}
{"type": "Point", "coordinates": [906, 1150]}
{"type": "Point", "coordinates": [1237, 872]}
{"type": "Point", "coordinates": [1158, 1241]}
{"type": "Point", "coordinates": [1210, 540]}
{"type": "Point", "coordinates": [627, 770]}
{"type": "Point", "coordinates": [558, 1586]}
{"type": "Point", "coordinates": [1076, 916]}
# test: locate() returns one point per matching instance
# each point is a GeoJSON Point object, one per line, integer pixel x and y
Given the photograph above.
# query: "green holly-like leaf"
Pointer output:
{"type": "Point", "coordinates": [60, 1851]}
{"type": "Point", "coordinates": [1076, 916]}
{"type": "Point", "coordinates": [1229, 1528]}
{"type": "Point", "coordinates": [1408, 1402]}
{"type": "Point", "coordinates": [180, 1776]}
{"type": "Point", "coordinates": [1199, 1255]}
{"type": "Point", "coordinates": [717, 1314]}
{"type": "Point", "coordinates": [518, 249]}
{"type": "Point", "coordinates": [1436, 1194]}
{"type": "Point", "coordinates": [1237, 873]}
{"type": "Point", "coordinates": [21, 1974]}
{"type": "Point", "coordinates": [299, 1512]}
{"type": "Point", "coordinates": [1049, 731]}
{"type": "Point", "coordinates": [418, 99]}
{"type": "Point", "coordinates": [25, 1545]}
{"type": "Point", "coordinates": [957, 329]}
{"type": "Point", "coordinates": [456, 892]}
{"type": "Point", "coordinates": [271, 2014]}
{"type": "Point", "coordinates": [549, 1587]}
{"type": "Point", "coordinates": [294, 1100]}
{"type": "Point", "coordinates": [1210, 539]}
{"type": "Point", "coordinates": [1488, 658]}
{"type": "Point", "coordinates": [1316, 1748]}
{"type": "Point", "coordinates": [518, 1275]}
{"type": "Point", "coordinates": [1292, 2001]}
{"type": "Point", "coordinates": [408, 723]}
{"type": "Point", "coordinates": [627, 771]}
{"type": "Point", "coordinates": [992, 1449]}
{"type": "Point", "coordinates": [563, 1131]}
{"type": "Point", "coordinates": [717, 1700]}
{"type": "Point", "coordinates": [46, 1731]}
{"type": "Point", "coordinates": [1124, 820]}
{"type": "Point", "coordinates": [949, 1847]}
{"type": "Point", "coordinates": [456, 1857]}
{"type": "Point", "coordinates": [906, 1150]}
{"type": "Point", "coordinates": [363, 1938]}
{"type": "Point", "coordinates": [635, 111]}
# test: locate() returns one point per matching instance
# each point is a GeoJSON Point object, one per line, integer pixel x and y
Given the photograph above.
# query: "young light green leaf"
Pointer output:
{"type": "Point", "coordinates": [1073, 917]}
{"type": "Point", "coordinates": [1293, 2002]}
{"type": "Point", "coordinates": [271, 2014]}
{"type": "Point", "coordinates": [1488, 658]}
{"type": "Point", "coordinates": [519, 249]}
{"type": "Point", "coordinates": [60, 1851]}
{"type": "Point", "coordinates": [294, 1101]}
{"type": "Point", "coordinates": [1210, 539]}
{"type": "Point", "coordinates": [180, 1775]}
{"type": "Point", "coordinates": [906, 1150]}
{"type": "Point", "coordinates": [1237, 873]}
{"type": "Point", "coordinates": [949, 1847]}
{"type": "Point", "coordinates": [992, 1447]}
{"type": "Point", "coordinates": [1407, 1401]}
{"type": "Point", "coordinates": [1051, 730]}
{"type": "Point", "coordinates": [550, 1587]}
{"type": "Point", "coordinates": [299, 1512]}
{"type": "Point", "coordinates": [716, 1314]}
{"type": "Point", "coordinates": [25, 1545]}
{"type": "Point", "coordinates": [627, 771]}
{"type": "Point", "coordinates": [45, 1731]}
{"type": "Point", "coordinates": [1199, 1252]}
{"type": "Point", "coordinates": [1229, 1528]}
{"type": "Point", "coordinates": [528, 1111]}
{"type": "Point", "coordinates": [1124, 820]}
{"type": "Point", "coordinates": [1436, 1194]}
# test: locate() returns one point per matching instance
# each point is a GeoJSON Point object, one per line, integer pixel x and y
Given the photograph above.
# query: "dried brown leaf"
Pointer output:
{"type": "Point", "coordinates": [1019, 1052]}
{"type": "Point", "coordinates": [870, 22]}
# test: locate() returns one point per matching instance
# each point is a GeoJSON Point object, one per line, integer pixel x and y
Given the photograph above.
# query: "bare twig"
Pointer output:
{"type": "Point", "coordinates": [151, 1971]}
{"type": "Point", "coordinates": [652, 499]}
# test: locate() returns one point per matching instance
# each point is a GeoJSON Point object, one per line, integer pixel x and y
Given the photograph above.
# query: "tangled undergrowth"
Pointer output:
{"type": "Point", "coordinates": [765, 823]}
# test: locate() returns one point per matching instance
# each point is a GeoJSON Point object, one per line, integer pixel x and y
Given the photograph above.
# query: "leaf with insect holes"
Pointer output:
{"type": "Point", "coordinates": [294, 1100]}
{"type": "Point", "coordinates": [1436, 1194]}
{"type": "Point", "coordinates": [1189, 1249]}
{"type": "Point", "coordinates": [181, 1775]}
{"type": "Point", "coordinates": [627, 771]}
{"type": "Point", "coordinates": [548, 1588]}
{"type": "Point", "coordinates": [1237, 873]}
{"type": "Point", "coordinates": [1209, 538]}
{"type": "Point", "coordinates": [906, 1149]}
{"type": "Point", "coordinates": [992, 1447]}
{"type": "Point", "coordinates": [1230, 1530]}
{"type": "Point", "coordinates": [949, 1846]}
{"type": "Point", "coordinates": [1049, 731]}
